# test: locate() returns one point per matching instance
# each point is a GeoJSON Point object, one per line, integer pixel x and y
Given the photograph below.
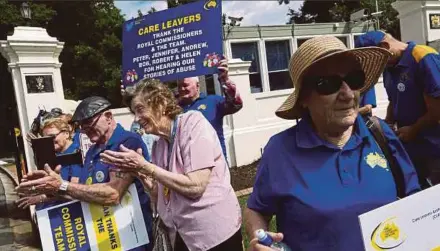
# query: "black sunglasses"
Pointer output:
{"type": "Point", "coordinates": [327, 85]}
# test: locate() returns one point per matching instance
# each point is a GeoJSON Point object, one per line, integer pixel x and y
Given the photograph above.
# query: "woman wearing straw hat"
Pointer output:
{"type": "Point", "coordinates": [320, 175]}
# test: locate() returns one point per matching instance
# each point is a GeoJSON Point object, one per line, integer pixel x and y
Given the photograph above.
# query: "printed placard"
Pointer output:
{"type": "Point", "coordinates": [172, 44]}
{"type": "Point", "coordinates": [411, 223]}
{"type": "Point", "coordinates": [81, 226]}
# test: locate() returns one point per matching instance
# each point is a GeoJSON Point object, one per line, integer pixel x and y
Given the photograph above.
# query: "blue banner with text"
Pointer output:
{"type": "Point", "coordinates": [68, 228]}
{"type": "Point", "coordinates": [172, 44]}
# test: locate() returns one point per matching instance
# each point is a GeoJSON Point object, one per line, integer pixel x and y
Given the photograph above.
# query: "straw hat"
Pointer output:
{"type": "Point", "coordinates": [371, 59]}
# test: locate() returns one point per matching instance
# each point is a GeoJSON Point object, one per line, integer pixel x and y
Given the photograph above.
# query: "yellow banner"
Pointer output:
{"type": "Point", "coordinates": [106, 230]}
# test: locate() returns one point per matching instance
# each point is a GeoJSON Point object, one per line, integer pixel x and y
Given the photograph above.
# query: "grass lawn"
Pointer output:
{"type": "Point", "coordinates": [272, 226]}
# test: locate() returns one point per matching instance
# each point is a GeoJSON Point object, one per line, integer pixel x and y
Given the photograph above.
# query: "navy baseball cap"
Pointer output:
{"type": "Point", "coordinates": [371, 38]}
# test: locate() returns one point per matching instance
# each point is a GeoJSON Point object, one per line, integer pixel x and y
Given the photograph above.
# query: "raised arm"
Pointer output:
{"type": "Point", "coordinates": [232, 102]}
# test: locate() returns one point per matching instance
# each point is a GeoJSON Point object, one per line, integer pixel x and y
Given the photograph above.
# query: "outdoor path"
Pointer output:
{"type": "Point", "coordinates": [15, 225]}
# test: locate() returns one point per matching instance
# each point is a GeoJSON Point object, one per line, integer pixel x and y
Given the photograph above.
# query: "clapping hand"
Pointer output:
{"type": "Point", "coordinates": [126, 160]}
{"type": "Point", "coordinates": [27, 201]}
{"type": "Point", "coordinates": [41, 182]}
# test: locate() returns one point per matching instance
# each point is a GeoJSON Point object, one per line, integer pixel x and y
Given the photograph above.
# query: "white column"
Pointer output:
{"type": "Point", "coordinates": [33, 62]}
{"type": "Point", "coordinates": [239, 73]}
{"type": "Point", "coordinates": [418, 20]}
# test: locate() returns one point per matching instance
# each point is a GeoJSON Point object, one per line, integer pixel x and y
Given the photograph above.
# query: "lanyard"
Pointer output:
{"type": "Point", "coordinates": [172, 137]}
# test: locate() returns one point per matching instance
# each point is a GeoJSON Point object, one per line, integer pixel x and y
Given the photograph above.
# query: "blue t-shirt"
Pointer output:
{"type": "Point", "coordinates": [98, 172]}
{"type": "Point", "coordinates": [317, 191]}
{"type": "Point", "coordinates": [416, 74]}
{"type": "Point", "coordinates": [212, 108]}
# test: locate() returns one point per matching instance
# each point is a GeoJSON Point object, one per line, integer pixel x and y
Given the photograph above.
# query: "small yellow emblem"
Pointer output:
{"type": "Point", "coordinates": [376, 159]}
{"type": "Point", "coordinates": [391, 230]}
{"type": "Point", "coordinates": [201, 107]}
{"type": "Point", "coordinates": [210, 4]}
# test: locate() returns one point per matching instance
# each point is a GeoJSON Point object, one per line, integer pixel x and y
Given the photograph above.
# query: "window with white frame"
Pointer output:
{"type": "Point", "coordinates": [278, 56]}
{"type": "Point", "coordinates": [248, 51]}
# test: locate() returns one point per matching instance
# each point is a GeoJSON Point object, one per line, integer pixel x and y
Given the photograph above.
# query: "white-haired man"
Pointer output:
{"type": "Point", "coordinates": [213, 107]}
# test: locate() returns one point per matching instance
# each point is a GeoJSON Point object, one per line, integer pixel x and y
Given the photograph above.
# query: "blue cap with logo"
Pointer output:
{"type": "Point", "coordinates": [371, 38]}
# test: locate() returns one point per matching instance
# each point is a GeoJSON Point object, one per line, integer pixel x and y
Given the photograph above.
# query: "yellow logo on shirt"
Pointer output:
{"type": "Point", "coordinates": [387, 235]}
{"type": "Point", "coordinates": [376, 159]}
{"type": "Point", "coordinates": [201, 107]}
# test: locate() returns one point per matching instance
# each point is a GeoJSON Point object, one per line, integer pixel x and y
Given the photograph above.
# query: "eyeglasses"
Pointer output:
{"type": "Point", "coordinates": [88, 126]}
{"type": "Point", "coordinates": [327, 85]}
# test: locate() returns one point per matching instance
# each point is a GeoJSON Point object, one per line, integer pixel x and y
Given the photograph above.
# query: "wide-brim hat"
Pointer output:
{"type": "Point", "coordinates": [371, 59]}
{"type": "Point", "coordinates": [89, 107]}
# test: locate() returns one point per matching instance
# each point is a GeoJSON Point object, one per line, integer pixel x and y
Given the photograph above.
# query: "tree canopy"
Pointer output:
{"type": "Point", "coordinates": [338, 11]}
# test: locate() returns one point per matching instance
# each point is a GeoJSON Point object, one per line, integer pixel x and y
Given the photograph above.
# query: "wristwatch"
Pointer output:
{"type": "Point", "coordinates": [63, 186]}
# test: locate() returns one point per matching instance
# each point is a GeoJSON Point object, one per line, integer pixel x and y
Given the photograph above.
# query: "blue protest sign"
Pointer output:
{"type": "Point", "coordinates": [68, 228]}
{"type": "Point", "coordinates": [172, 44]}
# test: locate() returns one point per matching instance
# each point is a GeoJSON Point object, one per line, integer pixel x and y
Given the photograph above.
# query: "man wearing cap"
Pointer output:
{"type": "Point", "coordinates": [320, 175]}
{"type": "Point", "coordinates": [412, 82]}
{"type": "Point", "coordinates": [213, 107]}
{"type": "Point", "coordinates": [98, 184]}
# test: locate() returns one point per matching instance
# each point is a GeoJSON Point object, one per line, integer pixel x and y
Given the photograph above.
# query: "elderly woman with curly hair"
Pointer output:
{"type": "Point", "coordinates": [189, 175]}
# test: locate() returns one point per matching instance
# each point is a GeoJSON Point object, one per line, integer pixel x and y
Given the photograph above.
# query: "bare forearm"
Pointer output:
{"type": "Point", "coordinates": [180, 183]}
{"type": "Point", "coordinates": [254, 221]}
{"type": "Point", "coordinates": [102, 194]}
{"type": "Point", "coordinates": [233, 102]}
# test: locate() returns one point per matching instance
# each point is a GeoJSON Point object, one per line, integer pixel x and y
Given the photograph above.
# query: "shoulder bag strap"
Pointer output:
{"type": "Point", "coordinates": [376, 130]}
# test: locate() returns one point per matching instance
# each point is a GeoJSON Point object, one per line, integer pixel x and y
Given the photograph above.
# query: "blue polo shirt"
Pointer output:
{"type": "Point", "coordinates": [211, 106]}
{"type": "Point", "coordinates": [417, 73]}
{"type": "Point", "coordinates": [317, 191]}
{"type": "Point", "coordinates": [98, 172]}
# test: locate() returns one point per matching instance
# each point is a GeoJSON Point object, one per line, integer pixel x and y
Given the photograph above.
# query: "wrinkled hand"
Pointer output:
{"type": "Point", "coordinates": [148, 182]}
{"type": "Point", "coordinates": [406, 133]}
{"type": "Point", "coordinates": [25, 202]}
{"type": "Point", "coordinates": [255, 246]}
{"type": "Point", "coordinates": [37, 174]}
{"type": "Point", "coordinates": [126, 160]}
{"type": "Point", "coordinates": [45, 184]}
{"type": "Point", "coordinates": [223, 68]}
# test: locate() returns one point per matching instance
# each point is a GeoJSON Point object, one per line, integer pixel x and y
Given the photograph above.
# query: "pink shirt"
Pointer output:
{"type": "Point", "coordinates": [213, 218]}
